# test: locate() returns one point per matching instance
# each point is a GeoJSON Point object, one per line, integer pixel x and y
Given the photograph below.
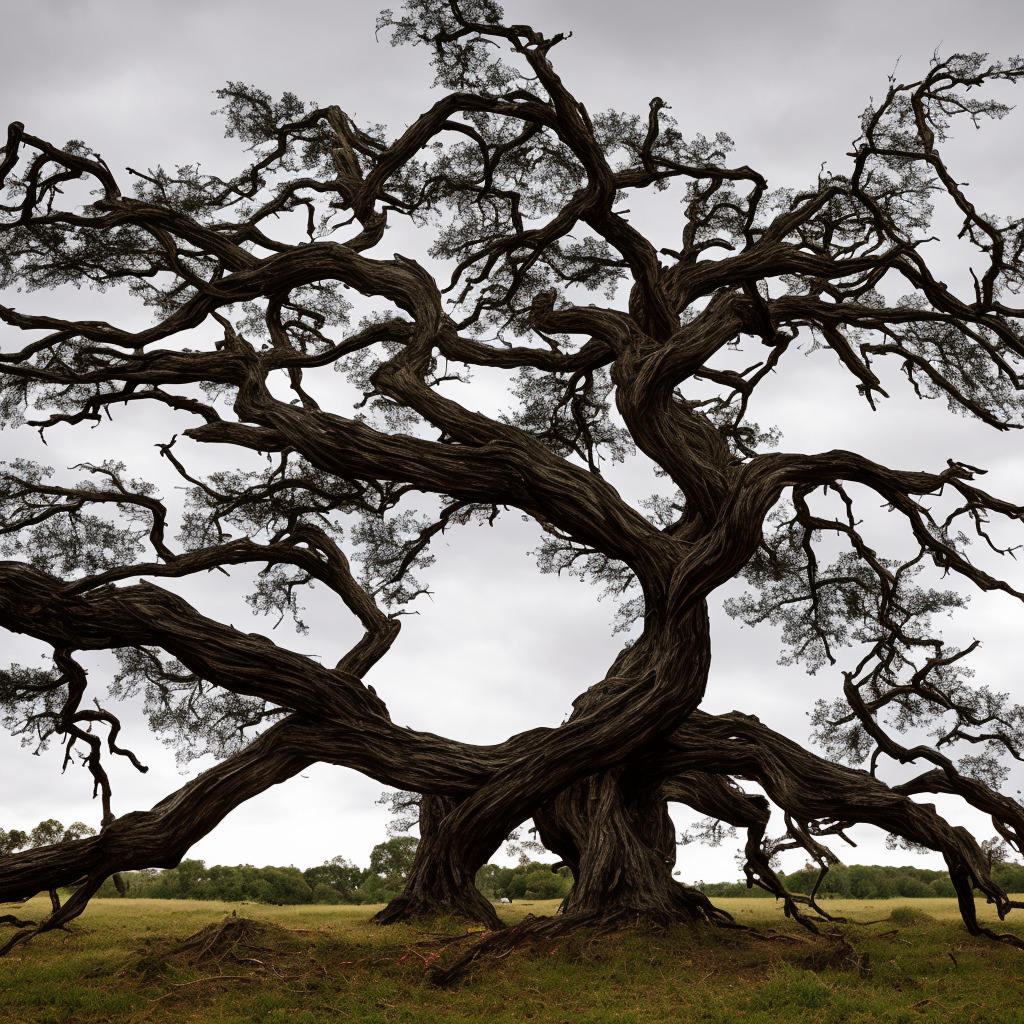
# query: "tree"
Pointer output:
{"type": "Point", "coordinates": [52, 831]}
{"type": "Point", "coordinates": [46, 833]}
{"type": "Point", "coordinates": [524, 193]}
{"type": "Point", "coordinates": [339, 875]}
{"type": "Point", "coordinates": [393, 860]}
{"type": "Point", "coordinates": [537, 882]}
{"type": "Point", "coordinates": [12, 841]}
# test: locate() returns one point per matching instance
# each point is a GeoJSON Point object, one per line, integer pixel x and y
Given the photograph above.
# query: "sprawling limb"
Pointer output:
{"type": "Point", "coordinates": [811, 789]}
{"type": "Point", "coordinates": [162, 836]}
{"type": "Point", "coordinates": [721, 799]}
{"type": "Point", "coordinates": [354, 726]}
{"type": "Point", "coordinates": [614, 833]}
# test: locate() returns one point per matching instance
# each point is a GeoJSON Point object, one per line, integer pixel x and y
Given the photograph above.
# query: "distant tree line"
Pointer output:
{"type": "Point", "coordinates": [340, 881]}
{"type": "Point", "coordinates": [871, 882]}
{"type": "Point", "coordinates": [335, 881]}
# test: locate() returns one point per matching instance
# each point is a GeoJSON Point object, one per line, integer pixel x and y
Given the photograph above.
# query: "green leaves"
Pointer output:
{"type": "Point", "coordinates": [463, 58]}
{"type": "Point", "coordinates": [190, 715]}
{"type": "Point", "coordinates": [46, 526]}
{"type": "Point", "coordinates": [46, 833]}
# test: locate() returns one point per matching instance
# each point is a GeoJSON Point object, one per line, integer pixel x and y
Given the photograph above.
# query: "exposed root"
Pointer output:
{"type": "Point", "coordinates": [213, 979]}
{"type": "Point", "coordinates": [496, 944]}
{"type": "Point", "coordinates": [771, 935]}
{"type": "Point", "coordinates": [1006, 938]}
{"type": "Point", "coordinates": [492, 945]}
{"type": "Point", "coordinates": [827, 951]}
{"type": "Point", "coordinates": [16, 921]}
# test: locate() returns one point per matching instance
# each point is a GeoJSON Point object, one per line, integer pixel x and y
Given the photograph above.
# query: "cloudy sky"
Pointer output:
{"type": "Point", "coordinates": [786, 80]}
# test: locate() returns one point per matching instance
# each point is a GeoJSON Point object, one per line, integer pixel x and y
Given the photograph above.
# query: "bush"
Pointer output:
{"type": "Point", "coordinates": [907, 916]}
{"type": "Point", "coordinates": [325, 893]}
{"type": "Point", "coordinates": [872, 882]}
{"type": "Point", "coordinates": [540, 884]}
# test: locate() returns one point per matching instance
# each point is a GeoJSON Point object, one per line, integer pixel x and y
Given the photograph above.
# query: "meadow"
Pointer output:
{"type": "Point", "coordinates": [128, 961]}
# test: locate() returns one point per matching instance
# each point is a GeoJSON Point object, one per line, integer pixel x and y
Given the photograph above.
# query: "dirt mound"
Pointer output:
{"type": "Point", "coordinates": [909, 916]}
{"type": "Point", "coordinates": [837, 955]}
{"type": "Point", "coordinates": [238, 940]}
{"type": "Point", "coordinates": [233, 938]}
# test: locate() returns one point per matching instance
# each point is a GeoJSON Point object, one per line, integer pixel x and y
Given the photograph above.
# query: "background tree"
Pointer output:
{"type": "Point", "coordinates": [522, 188]}
{"type": "Point", "coordinates": [393, 859]}
{"type": "Point", "coordinates": [11, 841]}
{"type": "Point", "coordinates": [52, 831]}
{"type": "Point", "coordinates": [340, 875]}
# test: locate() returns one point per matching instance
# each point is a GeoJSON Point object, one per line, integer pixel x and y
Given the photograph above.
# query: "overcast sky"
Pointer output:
{"type": "Point", "coordinates": [786, 80]}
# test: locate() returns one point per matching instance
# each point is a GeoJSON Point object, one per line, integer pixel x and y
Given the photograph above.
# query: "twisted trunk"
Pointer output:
{"type": "Point", "coordinates": [614, 831]}
{"type": "Point", "coordinates": [430, 892]}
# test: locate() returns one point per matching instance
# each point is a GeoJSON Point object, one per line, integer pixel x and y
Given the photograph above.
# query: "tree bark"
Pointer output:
{"type": "Point", "coordinates": [430, 892]}
{"type": "Point", "coordinates": [614, 832]}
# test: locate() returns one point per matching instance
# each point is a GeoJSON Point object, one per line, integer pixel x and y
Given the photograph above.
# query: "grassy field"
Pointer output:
{"type": "Point", "coordinates": [129, 961]}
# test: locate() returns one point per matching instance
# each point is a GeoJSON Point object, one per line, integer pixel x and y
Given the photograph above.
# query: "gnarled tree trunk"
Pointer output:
{"type": "Point", "coordinates": [614, 831]}
{"type": "Point", "coordinates": [429, 891]}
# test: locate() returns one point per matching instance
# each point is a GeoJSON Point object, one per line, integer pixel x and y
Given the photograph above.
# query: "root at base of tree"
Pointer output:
{"type": "Point", "coordinates": [537, 929]}
{"type": "Point", "coordinates": [408, 907]}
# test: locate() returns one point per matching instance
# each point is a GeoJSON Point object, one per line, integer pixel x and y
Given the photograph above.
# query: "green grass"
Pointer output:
{"type": "Point", "coordinates": [122, 962]}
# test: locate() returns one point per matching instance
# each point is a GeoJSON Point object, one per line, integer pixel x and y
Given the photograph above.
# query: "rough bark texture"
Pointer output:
{"type": "Point", "coordinates": [615, 834]}
{"type": "Point", "coordinates": [428, 893]}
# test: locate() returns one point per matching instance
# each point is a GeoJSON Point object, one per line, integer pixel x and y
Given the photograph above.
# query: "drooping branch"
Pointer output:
{"type": "Point", "coordinates": [722, 800]}
{"type": "Point", "coordinates": [162, 836]}
{"type": "Point", "coordinates": [811, 789]}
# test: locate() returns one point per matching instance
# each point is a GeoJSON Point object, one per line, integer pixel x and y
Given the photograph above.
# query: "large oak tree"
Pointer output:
{"type": "Point", "coordinates": [610, 346]}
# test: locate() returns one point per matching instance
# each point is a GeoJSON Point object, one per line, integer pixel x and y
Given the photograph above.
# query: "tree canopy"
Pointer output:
{"type": "Point", "coordinates": [612, 346]}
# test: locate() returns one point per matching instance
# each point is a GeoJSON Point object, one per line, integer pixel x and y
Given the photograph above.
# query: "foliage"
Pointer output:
{"type": "Point", "coordinates": [193, 880]}
{"type": "Point", "coordinates": [528, 880]}
{"type": "Point", "coordinates": [333, 882]}
{"type": "Point", "coordinates": [858, 881]}
{"type": "Point", "coordinates": [393, 859]}
{"type": "Point", "coordinates": [871, 882]}
{"type": "Point", "coordinates": [46, 833]}
{"type": "Point", "coordinates": [13, 840]}
{"type": "Point", "coordinates": [340, 876]}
